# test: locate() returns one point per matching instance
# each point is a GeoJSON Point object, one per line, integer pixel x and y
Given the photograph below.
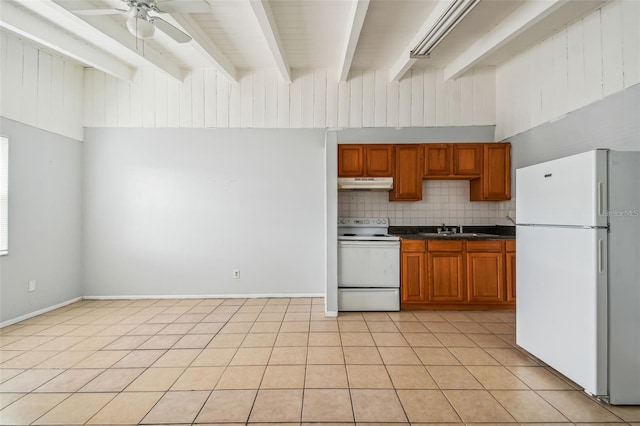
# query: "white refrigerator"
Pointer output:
{"type": "Point", "coordinates": [578, 269]}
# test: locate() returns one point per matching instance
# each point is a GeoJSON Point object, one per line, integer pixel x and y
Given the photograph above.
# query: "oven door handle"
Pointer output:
{"type": "Point", "coordinates": [369, 244]}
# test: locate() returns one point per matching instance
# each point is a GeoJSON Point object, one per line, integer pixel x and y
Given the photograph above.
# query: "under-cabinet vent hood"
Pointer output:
{"type": "Point", "coordinates": [365, 184]}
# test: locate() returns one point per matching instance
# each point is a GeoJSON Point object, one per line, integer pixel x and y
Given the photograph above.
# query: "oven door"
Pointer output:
{"type": "Point", "coordinates": [368, 264]}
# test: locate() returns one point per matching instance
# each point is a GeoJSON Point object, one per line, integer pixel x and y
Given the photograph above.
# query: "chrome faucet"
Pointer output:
{"type": "Point", "coordinates": [446, 230]}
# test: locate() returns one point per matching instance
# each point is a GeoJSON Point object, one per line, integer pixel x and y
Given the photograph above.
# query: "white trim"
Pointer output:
{"type": "Point", "coordinates": [204, 296]}
{"type": "Point", "coordinates": [330, 313]}
{"type": "Point", "coordinates": [39, 312]}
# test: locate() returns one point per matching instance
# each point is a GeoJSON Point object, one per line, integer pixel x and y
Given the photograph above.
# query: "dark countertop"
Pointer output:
{"type": "Point", "coordinates": [497, 232]}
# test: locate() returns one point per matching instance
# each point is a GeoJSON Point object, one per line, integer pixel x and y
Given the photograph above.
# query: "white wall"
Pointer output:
{"type": "Point", "coordinates": [585, 62]}
{"type": "Point", "coordinates": [613, 123]}
{"type": "Point", "coordinates": [45, 179]}
{"type": "Point", "coordinates": [174, 211]}
{"type": "Point", "coordinates": [313, 100]}
{"type": "Point", "coordinates": [40, 89]}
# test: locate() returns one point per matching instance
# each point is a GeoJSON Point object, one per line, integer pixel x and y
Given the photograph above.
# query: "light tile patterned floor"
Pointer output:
{"type": "Point", "coordinates": [278, 361]}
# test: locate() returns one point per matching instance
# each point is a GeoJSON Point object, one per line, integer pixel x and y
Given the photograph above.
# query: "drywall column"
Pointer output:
{"type": "Point", "coordinates": [331, 201]}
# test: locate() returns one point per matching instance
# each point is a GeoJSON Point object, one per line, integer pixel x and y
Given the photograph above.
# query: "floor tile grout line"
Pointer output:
{"type": "Point", "coordinates": [399, 331]}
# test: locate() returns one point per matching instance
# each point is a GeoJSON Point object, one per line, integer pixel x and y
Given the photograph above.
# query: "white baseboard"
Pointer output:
{"type": "Point", "coordinates": [39, 312]}
{"type": "Point", "coordinates": [330, 313]}
{"type": "Point", "coordinates": [203, 296]}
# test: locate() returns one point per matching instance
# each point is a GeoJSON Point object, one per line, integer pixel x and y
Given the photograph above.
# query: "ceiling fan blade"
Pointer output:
{"type": "Point", "coordinates": [170, 30]}
{"type": "Point", "coordinates": [182, 6]}
{"type": "Point", "coordinates": [97, 12]}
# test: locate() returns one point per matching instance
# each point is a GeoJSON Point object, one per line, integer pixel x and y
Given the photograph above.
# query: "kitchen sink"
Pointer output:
{"type": "Point", "coordinates": [460, 235]}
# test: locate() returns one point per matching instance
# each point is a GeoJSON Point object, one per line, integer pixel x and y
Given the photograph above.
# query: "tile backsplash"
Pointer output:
{"type": "Point", "coordinates": [444, 201]}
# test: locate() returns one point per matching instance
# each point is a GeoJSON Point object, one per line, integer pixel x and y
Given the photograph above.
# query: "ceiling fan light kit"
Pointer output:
{"type": "Point", "coordinates": [138, 24]}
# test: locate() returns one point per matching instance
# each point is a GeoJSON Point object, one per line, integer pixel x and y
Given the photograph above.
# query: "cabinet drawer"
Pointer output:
{"type": "Point", "coordinates": [484, 246]}
{"type": "Point", "coordinates": [510, 245]}
{"type": "Point", "coordinates": [413, 245]}
{"type": "Point", "coordinates": [437, 245]}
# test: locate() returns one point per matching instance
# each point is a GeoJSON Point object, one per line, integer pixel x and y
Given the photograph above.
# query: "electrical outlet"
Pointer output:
{"type": "Point", "coordinates": [32, 286]}
{"type": "Point", "coordinates": [236, 273]}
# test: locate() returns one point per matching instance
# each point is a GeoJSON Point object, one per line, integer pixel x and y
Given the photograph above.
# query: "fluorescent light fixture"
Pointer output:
{"type": "Point", "coordinates": [447, 22]}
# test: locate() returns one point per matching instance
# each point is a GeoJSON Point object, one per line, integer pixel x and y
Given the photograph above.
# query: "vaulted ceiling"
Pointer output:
{"type": "Point", "coordinates": [338, 35]}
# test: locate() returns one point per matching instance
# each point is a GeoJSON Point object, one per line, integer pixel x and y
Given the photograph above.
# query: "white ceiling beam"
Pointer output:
{"type": "Point", "coordinates": [523, 18]}
{"type": "Point", "coordinates": [356, 21]}
{"type": "Point", "coordinates": [105, 32]}
{"type": "Point", "coordinates": [405, 61]}
{"type": "Point", "coordinates": [35, 29]}
{"type": "Point", "coordinates": [267, 23]}
{"type": "Point", "coordinates": [203, 45]}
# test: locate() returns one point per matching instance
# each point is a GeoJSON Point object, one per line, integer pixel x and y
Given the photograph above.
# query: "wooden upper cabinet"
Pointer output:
{"type": "Point", "coordinates": [452, 161]}
{"type": "Point", "coordinates": [437, 160]}
{"type": "Point", "coordinates": [407, 176]}
{"type": "Point", "coordinates": [350, 160]}
{"type": "Point", "coordinates": [495, 182]}
{"type": "Point", "coordinates": [467, 159]}
{"type": "Point", "coordinates": [378, 160]}
{"type": "Point", "coordinates": [358, 160]}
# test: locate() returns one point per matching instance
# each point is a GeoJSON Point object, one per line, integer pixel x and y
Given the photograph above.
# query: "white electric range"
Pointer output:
{"type": "Point", "coordinates": [368, 265]}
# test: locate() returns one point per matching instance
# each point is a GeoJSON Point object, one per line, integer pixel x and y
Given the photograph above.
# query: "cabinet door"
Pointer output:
{"type": "Point", "coordinates": [467, 159]}
{"type": "Point", "coordinates": [412, 280]}
{"type": "Point", "coordinates": [379, 160]}
{"type": "Point", "coordinates": [407, 179]}
{"type": "Point", "coordinates": [437, 160]}
{"type": "Point", "coordinates": [445, 276]}
{"type": "Point", "coordinates": [495, 182]}
{"type": "Point", "coordinates": [510, 273]}
{"type": "Point", "coordinates": [350, 160]}
{"type": "Point", "coordinates": [485, 272]}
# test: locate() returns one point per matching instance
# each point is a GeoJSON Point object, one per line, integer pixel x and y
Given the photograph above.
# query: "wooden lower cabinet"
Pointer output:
{"type": "Point", "coordinates": [458, 274]}
{"type": "Point", "coordinates": [413, 277]}
{"type": "Point", "coordinates": [445, 271]}
{"type": "Point", "coordinates": [485, 271]}
{"type": "Point", "coordinates": [412, 271]}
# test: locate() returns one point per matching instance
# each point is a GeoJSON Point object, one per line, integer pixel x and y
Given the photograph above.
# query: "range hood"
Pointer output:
{"type": "Point", "coordinates": [365, 184]}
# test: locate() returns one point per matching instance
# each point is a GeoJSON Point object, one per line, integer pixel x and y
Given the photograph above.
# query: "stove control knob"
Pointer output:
{"type": "Point", "coordinates": [378, 221]}
{"type": "Point", "coordinates": [367, 221]}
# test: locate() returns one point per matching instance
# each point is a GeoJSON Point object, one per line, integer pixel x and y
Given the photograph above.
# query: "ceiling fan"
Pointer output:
{"type": "Point", "coordinates": [142, 24]}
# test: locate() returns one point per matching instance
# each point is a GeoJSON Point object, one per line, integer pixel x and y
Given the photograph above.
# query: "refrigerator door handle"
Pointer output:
{"type": "Point", "coordinates": [601, 211]}
{"type": "Point", "coordinates": [600, 256]}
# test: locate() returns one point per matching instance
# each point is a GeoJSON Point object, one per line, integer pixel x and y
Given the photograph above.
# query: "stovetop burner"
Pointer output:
{"type": "Point", "coordinates": [364, 229]}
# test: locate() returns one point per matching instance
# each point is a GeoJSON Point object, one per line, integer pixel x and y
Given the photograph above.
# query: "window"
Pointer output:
{"type": "Point", "coordinates": [4, 196]}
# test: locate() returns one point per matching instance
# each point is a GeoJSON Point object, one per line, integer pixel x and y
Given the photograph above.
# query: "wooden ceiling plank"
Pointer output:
{"type": "Point", "coordinates": [523, 18]}
{"type": "Point", "coordinates": [204, 45]}
{"type": "Point", "coordinates": [35, 29]}
{"type": "Point", "coordinates": [355, 23]}
{"type": "Point", "coordinates": [404, 61]}
{"type": "Point", "coordinates": [267, 23]}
